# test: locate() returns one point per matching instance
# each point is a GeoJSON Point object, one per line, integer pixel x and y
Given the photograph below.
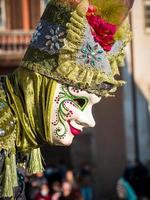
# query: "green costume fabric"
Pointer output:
{"type": "Point", "coordinates": [26, 100]}
{"type": "Point", "coordinates": [31, 100]}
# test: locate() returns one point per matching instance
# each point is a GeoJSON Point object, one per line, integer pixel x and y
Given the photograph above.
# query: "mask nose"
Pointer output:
{"type": "Point", "coordinates": [87, 119]}
{"type": "Point", "coordinates": [90, 121]}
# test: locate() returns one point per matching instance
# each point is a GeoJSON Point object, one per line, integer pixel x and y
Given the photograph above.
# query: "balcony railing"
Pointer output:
{"type": "Point", "coordinates": [13, 44]}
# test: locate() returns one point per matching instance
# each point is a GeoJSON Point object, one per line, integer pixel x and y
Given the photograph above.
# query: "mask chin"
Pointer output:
{"type": "Point", "coordinates": [66, 141]}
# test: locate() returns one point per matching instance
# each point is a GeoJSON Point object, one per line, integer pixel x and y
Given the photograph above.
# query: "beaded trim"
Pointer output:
{"type": "Point", "coordinates": [7, 123]}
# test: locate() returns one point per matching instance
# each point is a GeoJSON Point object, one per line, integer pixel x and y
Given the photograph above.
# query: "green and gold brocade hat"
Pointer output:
{"type": "Point", "coordinates": [81, 43]}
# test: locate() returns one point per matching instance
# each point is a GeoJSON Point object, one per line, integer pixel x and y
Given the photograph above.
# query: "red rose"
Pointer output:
{"type": "Point", "coordinates": [102, 31]}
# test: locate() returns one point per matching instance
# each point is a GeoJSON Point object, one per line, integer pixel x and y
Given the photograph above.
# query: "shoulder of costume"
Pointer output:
{"type": "Point", "coordinates": [7, 121]}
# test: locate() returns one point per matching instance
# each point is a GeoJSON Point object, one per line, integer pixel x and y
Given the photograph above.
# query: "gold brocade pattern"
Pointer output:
{"type": "Point", "coordinates": [7, 123]}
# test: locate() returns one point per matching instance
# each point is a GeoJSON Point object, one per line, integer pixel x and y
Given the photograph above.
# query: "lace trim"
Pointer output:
{"type": "Point", "coordinates": [89, 80]}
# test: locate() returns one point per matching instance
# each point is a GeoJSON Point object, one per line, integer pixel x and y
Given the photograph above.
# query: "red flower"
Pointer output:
{"type": "Point", "coordinates": [102, 31]}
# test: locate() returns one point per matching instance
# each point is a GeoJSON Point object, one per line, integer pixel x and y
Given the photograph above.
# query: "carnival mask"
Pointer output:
{"type": "Point", "coordinates": [72, 111]}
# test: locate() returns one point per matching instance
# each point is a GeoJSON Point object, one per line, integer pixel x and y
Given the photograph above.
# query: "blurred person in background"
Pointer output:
{"type": "Point", "coordinates": [53, 174]}
{"type": "Point", "coordinates": [66, 191]}
{"type": "Point", "coordinates": [86, 188]}
{"type": "Point", "coordinates": [28, 187]}
{"type": "Point", "coordinates": [86, 182]}
{"type": "Point", "coordinates": [69, 176]}
{"type": "Point", "coordinates": [125, 190]}
{"type": "Point", "coordinates": [34, 184]}
{"type": "Point", "coordinates": [76, 191]}
{"type": "Point", "coordinates": [140, 180]}
{"type": "Point", "coordinates": [44, 193]}
{"type": "Point", "coordinates": [134, 184]}
{"type": "Point", "coordinates": [56, 190]}
{"type": "Point", "coordinates": [76, 195]}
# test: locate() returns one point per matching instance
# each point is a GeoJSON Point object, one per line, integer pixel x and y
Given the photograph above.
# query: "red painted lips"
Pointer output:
{"type": "Point", "coordinates": [73, 130]}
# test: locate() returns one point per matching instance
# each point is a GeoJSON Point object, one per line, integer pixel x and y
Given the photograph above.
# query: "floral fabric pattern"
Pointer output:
{"type": "Point", "coordinates": [37, 33]}
{"type": "Point", "coordinates": [91, 55]}
{"type": "Point", "coordinates": [48, 37]}
{"type": "Point", "coordinates": [54, 41]}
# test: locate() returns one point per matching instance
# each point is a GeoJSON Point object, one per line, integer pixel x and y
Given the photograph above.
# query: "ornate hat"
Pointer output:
{"type": "Point", "coordinates": [81, 43]}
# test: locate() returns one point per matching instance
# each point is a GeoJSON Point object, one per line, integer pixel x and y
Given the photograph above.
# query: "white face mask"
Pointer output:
{"type": "Point", "coordinates": [44, 192]}
{"type": "Point", "coordinates": [72, 111]}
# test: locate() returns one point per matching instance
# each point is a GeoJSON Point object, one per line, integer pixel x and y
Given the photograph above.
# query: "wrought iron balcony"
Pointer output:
{"type": "Point", "coordinates": [13, 44]}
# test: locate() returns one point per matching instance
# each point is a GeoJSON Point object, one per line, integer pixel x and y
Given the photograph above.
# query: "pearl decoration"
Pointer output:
{"type": "Point", "coordinates": [11, 123]}
{"type": "Point", "coordinates": [2, 105]}
{"type": "Point", "coordinates": [2, 132]}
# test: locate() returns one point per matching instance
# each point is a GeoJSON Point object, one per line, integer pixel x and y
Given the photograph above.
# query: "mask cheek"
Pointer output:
{"type": "Point", "coordinates": [69, 115]}
{"type": "Point", "coordinates": [61, 138]}
{"type": "Point", "coordinates": [72, 110]}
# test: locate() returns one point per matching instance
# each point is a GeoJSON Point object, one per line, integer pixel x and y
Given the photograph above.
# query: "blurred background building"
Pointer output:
{"type": "Point", "coordinates": [122, 133]}
{"type": "Point", "coordinates": [138, 87]}
{"type": "Point", "coordinates": [17, 20]}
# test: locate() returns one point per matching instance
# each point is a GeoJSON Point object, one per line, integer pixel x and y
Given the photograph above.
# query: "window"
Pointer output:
{"type": "Point", "coordinates": [147, 15]}
{"type": "Point", "coordinates": [15, 14]}
{"type": "Point", "coordinates": [35, 12]}
{"type": "Point", "coordinates": [2, 14]}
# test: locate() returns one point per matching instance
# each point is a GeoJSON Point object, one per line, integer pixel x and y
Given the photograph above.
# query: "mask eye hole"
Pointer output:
{"type": "Point", "coordinates": [81, 102]}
